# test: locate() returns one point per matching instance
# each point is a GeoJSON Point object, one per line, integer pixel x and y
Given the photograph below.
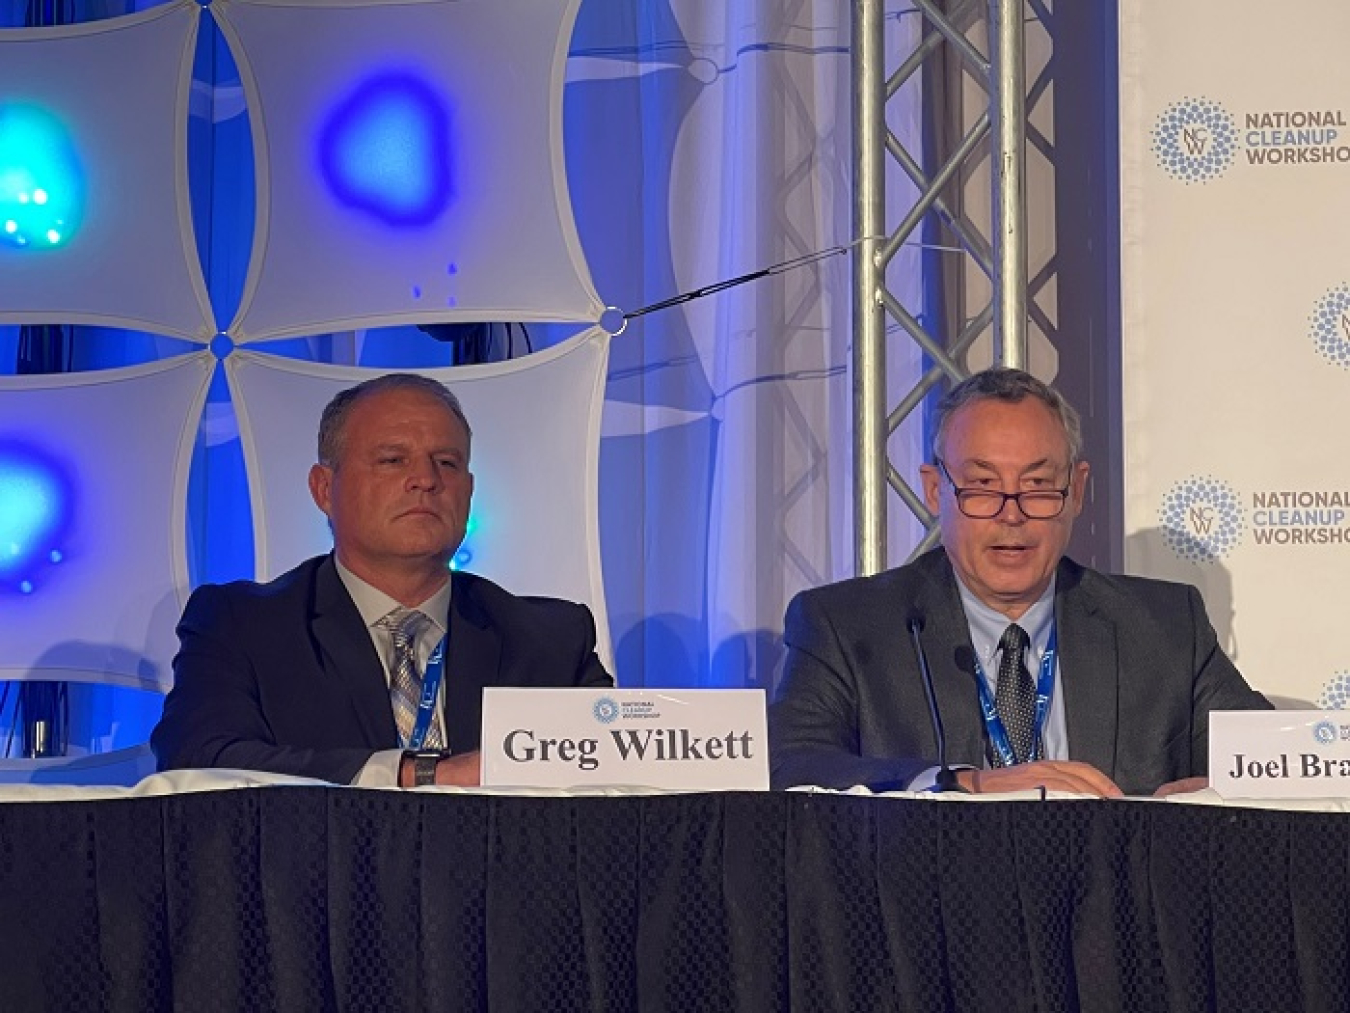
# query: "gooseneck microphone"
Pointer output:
{"type": "Point", "coordinates": [946, 777]}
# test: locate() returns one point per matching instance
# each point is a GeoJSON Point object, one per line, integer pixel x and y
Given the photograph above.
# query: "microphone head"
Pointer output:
{"type": "Point", "coordinates": [914, 620]}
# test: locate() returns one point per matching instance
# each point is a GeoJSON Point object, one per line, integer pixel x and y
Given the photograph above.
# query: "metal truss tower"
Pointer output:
{"type": "Point", "coordinates": [970, 59]}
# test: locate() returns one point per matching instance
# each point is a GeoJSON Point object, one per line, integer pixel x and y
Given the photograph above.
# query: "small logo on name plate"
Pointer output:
{"type": "Point", "coordinates": [606, 711]}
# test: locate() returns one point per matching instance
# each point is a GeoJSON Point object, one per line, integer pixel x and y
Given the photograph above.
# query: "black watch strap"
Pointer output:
{"type": "Point", "coordinates": [424, 765]}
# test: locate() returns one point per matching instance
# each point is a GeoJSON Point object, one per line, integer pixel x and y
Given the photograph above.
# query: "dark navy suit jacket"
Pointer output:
{"type": "Point", "coordinates": [284, 677]}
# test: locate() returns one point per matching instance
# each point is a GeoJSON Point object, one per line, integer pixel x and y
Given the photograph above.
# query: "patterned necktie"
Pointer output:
{"type": "Point", "coordinates": [1015, 697]}
{"type": "Point", "coordinates": [405, 681]}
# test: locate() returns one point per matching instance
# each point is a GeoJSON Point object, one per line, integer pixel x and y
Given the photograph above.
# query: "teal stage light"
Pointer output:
{"type": "Point", "coordinates": [42, 187]}
{"type": "Point", "coordinates": [464, 554]}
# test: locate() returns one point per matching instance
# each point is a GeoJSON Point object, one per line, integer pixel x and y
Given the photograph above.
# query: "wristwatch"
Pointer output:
{"type": "Point", "coordinates": [424, 765]}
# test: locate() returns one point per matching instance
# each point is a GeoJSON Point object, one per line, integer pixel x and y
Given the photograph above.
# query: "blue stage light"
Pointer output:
{"type": "Point", "coordinates": [385, 150]}
{"type": "Point", "coordinates": [35, 507]}
{"type": "Point", "coordinates": [42, 189]}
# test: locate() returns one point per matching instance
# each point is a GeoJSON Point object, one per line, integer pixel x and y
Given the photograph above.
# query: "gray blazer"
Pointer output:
{"type": "Point", "coordinates": [1140, 669]}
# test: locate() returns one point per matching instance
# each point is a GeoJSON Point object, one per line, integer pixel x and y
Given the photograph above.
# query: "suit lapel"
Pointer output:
{"type": "Point", "coordinates": [348, 656]}
{"type": "Point", "coordinates": [1089, 671]}
{"type": "Point", "coordinates": [473, 660]}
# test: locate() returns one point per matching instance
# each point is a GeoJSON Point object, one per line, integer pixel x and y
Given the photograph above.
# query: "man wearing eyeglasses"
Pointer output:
{"type": "Point", "coordinates": [1045, 673]}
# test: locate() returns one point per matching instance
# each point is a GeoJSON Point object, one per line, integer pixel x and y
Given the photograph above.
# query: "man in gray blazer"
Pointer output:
{"type": "Point", "coordinates": [1046, 674]}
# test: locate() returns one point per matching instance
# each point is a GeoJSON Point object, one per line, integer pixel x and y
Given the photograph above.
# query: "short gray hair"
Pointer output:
{"type": "Point", "coordinates": [333, 422]}
{"type": "Point", "coordinates": [1011, 386]}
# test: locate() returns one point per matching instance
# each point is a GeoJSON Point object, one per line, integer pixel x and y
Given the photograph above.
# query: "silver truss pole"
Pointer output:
{"type": "Point", "coordinates": [869, 318]}
{"type": "Point", "coordinates": [1007, 43]}
{"type": "Point", "coordinates": [949, 33]}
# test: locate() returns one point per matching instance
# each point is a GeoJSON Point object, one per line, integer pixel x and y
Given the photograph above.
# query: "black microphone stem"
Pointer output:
{"type": "Point", "coordinates": [946, 777]}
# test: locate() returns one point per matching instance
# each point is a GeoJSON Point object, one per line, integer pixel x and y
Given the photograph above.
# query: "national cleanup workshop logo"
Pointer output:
{"type": "Point", "coordinates": [1198, 140]}
{"type": "Point", "coordinates": [1329, 326]}
{"type": "Point", "coordinates": [1195, 140]}
{"type": "Point", "coordinates": [1203, 519]}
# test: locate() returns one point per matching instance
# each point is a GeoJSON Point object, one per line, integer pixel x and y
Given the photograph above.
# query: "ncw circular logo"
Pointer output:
{"type": "Point", "coordinates": [1201, 519]}
{"type": "Point", "coordinates": [1330, 326]}
{"type": "Point", "coordinates": [1336, 693]}
{"type": "Point", "coordinates": [1195, 140]}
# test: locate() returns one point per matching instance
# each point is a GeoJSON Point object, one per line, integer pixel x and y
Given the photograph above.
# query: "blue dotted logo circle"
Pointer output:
{"type": "Point", "coordinates": [1336, 693]}
{"type": "Point", "coordinates": [1330, 326]}
{"type": "Point", "coordinates": [1195, 140]}
{"type": "Point", "coordinates": [1201, 519]}
{"type": "Point", "coordinates": [606, 711]}
{"type": "Point", "coordinates": [1324, 732]}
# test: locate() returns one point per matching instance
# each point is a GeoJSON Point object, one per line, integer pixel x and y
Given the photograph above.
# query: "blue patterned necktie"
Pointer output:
{"type": "Point", "coordinates": [405, 625]}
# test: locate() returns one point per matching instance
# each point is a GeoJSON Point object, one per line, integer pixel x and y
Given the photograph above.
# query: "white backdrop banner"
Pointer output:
{"type": "Point", "coordinates": [409, 164]}
{"type": "Point", "coordinates": [94, 468]}
{"type": "Point", "coordinates": [1235, 192]}
{"type": "Point", "coordinates": [95, 226]}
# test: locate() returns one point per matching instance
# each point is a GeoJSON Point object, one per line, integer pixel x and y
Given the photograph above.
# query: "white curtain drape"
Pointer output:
{"type": "Point", "coordinates": [711, 140]}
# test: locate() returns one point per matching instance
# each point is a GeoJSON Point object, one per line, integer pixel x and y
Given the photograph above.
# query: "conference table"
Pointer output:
{"type": "Point", "coordinates": [204, 891]}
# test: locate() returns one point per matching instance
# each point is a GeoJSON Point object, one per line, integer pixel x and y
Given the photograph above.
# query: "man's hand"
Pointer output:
{"type": "Point", "coordinates": [1183, 787]}
{"type": "Point", "coordinates": [463, 770]}
{"type": "Point", "coordinates": [1052, 775]}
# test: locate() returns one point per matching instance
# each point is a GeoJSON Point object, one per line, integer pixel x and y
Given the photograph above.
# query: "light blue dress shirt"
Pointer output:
{"type": "Point", "coordinates": [986, 630]}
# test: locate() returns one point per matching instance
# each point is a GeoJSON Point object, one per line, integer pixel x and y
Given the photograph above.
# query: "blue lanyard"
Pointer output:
{"type": "Point", "coordinates": [1045, 685]}
{"type": "Point", "coordinates": [431, 685]}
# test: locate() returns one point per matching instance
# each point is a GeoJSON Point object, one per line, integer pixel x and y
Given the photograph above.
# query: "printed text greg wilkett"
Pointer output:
{"type": "Point", "coordinates": [678, 745]}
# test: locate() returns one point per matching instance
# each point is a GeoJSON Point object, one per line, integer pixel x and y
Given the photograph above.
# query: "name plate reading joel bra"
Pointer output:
{"type": "Point", "coordinates": [1280, 754]}
{"type": "Point", "coordinates": [564, 738]}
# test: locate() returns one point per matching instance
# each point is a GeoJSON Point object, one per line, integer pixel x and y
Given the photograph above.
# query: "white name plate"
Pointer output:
{"type": "Point", "coordinates": [1280, 754]}
{"type": "Point", "coordinates": [563, 738]}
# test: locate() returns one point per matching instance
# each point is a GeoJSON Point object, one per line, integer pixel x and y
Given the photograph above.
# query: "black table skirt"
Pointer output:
{"type": "Point", "coordinates": [298, 898]}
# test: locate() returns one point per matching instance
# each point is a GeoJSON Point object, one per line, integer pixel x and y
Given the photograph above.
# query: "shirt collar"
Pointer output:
{"type": "Point", "coordinates": [374, 604]}
{"type": "Point", "coordinates": [987, 624]}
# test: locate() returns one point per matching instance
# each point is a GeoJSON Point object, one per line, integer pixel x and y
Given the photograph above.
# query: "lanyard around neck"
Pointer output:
{"type": "Point", "coordinates": [431, 685]}
{"type": "Point", "coordinates": [1045, 685]}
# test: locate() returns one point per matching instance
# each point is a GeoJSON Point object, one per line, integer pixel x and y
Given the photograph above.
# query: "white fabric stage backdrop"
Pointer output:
{"type": "Point", "coordinates": [1235, 177]}
{"type": "Point", "coordinates": [106, 455]}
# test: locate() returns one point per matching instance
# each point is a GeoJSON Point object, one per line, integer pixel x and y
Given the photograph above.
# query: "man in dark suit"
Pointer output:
{"type": "Point", "coordinates": [1046, 674]}
{"type": "Point", "coordinates": [367, 666]}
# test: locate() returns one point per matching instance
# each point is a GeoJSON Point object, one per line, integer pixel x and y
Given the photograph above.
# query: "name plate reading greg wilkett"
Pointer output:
{"type": "Point", "coordinates": [711, 739]}
{"type": "Point", "coordinates": [1280, 754]}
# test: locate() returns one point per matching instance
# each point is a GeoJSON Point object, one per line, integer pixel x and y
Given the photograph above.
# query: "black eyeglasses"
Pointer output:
{"type": "Point", "coordinates": [986, 504]}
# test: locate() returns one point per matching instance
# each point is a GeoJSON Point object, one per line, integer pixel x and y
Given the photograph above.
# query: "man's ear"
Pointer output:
{"type": "Point", "coordinates": [321, 487]}
{"type": "Point", "coordinates": [1078, 480]}
{"type": "Point", "coordinates": [932, 486]}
